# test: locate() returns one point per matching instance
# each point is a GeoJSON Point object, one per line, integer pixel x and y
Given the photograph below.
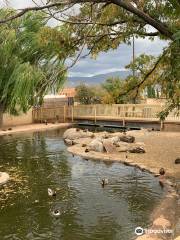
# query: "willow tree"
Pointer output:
{"type": "Point", "coordinates": [32, 59]}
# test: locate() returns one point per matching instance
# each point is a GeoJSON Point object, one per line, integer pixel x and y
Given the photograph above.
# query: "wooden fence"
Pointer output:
{"type": "Point", "coordinates": [50, 114]}
{"type": "Point", "coordinates": [144, 112]}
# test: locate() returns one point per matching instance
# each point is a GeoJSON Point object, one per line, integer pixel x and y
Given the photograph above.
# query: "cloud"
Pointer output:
{"type": "Point", "coordinates": [18, 4]}
{"type": "Point", "coordinates": [113, 60]}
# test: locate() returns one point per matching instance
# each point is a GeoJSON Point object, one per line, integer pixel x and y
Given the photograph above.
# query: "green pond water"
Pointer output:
{"type": "Point", "coordinates": [37, 161]}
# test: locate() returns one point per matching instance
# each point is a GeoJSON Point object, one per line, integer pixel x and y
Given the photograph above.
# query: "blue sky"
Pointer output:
{"type": "Point", "coordinates": [106, 62]}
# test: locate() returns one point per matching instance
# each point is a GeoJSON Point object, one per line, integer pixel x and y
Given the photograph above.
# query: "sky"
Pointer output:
{"type": "Point", "coordinates": [114, 60]}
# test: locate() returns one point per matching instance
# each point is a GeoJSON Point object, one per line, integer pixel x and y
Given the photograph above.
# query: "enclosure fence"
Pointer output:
{"type": "Point", "coordinates": [102, 112]}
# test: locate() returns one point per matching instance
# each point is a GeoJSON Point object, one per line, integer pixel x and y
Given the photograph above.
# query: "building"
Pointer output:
{"type": "Point", "coordinates": [68, 92]}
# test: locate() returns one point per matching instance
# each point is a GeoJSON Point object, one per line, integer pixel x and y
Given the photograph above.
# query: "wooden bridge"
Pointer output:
{"type": "Point", "coordinates": [120, 114]}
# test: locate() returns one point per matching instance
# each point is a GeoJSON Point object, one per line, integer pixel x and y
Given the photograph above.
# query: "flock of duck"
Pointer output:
{"type": "Point", "coordinates": [104, 181]}
{"type": "Point", "coordinates": [52, 193]}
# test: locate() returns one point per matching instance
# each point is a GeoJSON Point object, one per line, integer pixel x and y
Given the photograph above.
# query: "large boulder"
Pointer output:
{"type": "Point", "coordinates": [75, 133]}
{"type": "Point", "coordinates": [69, 142]}
{"type": "Point", "coordinates": [115, 140]}
{"type": "Point", "coordinates": [123, 146]}
{"type": "Point", "coordinates": [136, 149]}
{"type": "Point", "coordinates": [96, 145]}
{"type": "Point", "coordinates": [127, 138]}
{"type": "Point", "coordinates": [109, 146]}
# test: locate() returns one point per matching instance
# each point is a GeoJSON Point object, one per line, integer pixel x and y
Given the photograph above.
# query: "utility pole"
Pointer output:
{"type": "Point", "coordinates": [133, 56]}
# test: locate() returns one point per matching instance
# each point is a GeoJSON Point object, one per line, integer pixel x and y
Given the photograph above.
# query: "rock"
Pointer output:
{"type": "Point", "coordinates": [127, 138]}
{"type": "Point", "coordinates": [108, 145]}
{"type": "Point", "coordinates": [96, 145]}
{"type": "Point", "coordinates": [136, 149]}
{"type": "Point", "coordinates": [162, 222]}
{"type": "Point", "coordinates": [105, 135]}
{"type": "Point", "coordinates": [178, 238]}
{"type": "Point", "coordinates": [115, 140]}
{"type": "Point", "coordinates": [69, 142]}
{"type": "Point", "coordinates": [4, 177]}
{"type": "Point", "coordinates": [177, 161]}
{"type": "Point", "coordinates": [72, 134]}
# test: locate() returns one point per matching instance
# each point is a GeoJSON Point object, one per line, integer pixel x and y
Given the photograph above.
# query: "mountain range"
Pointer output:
{"type": "Point", "coordinates": [96, 79]}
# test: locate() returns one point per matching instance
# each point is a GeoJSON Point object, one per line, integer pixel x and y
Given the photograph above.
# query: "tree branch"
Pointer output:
{"type": "Point", "coordinates": [136, 87]}
{"type": "Point", "coordinates": [156, 24]}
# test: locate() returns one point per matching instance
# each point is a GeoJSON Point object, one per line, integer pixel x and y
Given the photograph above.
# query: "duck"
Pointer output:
{"type": "Point", "coordinates": [161, 177]}
{"type": "Point", "coordinates": [162, 171]}
{"type": "Point", "coordinates": [51, 192]}
{"type": "Point", "coordinates": [104, 182]}
{"type": "Point", "coordinates": [56, 213]}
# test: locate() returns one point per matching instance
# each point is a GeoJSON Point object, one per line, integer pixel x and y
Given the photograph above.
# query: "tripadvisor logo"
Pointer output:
{"type": "Point", "coordinates": [139, 231]}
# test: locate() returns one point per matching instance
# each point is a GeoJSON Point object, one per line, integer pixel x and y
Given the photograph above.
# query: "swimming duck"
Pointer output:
{"type": "Point", "coordinates": [56, 213]}
{"type": "Point", "coordinates": [104, 182]}
{"type": "Point", "coordinates": [51, 192]}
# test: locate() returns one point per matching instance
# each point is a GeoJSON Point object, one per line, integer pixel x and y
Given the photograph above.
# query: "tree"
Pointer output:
{"type": "Point", "coordinates": [151, 92]}
{"type": "Point", "coordinates": [103, 25]}
{"type": "Point", "coordinates": [84, 94]}
{"type": "Point", "coordinates": [31, 61]}
{"type": "Point", "coordinates": [113, 86]}
{"type": "Point", "coordinates": [91, 94]}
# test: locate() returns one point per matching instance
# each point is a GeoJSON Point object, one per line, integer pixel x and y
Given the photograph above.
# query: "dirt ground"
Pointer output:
{"type": "Point", "coordinates": [32, 127]}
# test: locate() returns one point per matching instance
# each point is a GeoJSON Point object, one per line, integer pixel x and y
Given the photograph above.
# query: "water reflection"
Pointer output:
{"type": "Point", "coordinates": [37, 161]}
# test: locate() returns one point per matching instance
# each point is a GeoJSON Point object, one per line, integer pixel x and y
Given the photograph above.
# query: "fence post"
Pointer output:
{"type": "Point", "coordinates": [95, 114]}
{"type": "Point", "coordinates": [124, 115]}
{"type": "Point", "coordinates": [65, 113]}
{"type": "Point", "coordinates": [72, 114]}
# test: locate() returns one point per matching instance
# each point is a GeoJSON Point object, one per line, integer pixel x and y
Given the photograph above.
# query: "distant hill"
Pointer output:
{"type": "Point", "coordinates": [97, 79]}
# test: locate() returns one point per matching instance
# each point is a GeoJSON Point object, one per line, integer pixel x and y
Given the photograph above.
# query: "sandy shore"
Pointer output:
{"type": "Point", "coordinates": [162, 148]}
{"type": "Point", "coordinates": [33, 127]}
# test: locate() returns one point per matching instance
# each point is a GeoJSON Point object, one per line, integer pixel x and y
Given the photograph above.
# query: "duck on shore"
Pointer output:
{"type": "Point", "coordinates": [162, 176]}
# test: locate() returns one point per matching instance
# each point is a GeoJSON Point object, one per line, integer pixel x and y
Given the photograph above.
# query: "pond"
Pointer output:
{"type": "Point", "coordinates": [38, 161]}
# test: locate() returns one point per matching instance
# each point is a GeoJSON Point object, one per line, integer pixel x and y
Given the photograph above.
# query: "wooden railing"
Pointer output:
{"type": "Point", "coordinates": [117, 111]}
{"type": "Point", "coordinates": [43, 114]}
{"type": "Point", "coordinates": [102, 111]}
